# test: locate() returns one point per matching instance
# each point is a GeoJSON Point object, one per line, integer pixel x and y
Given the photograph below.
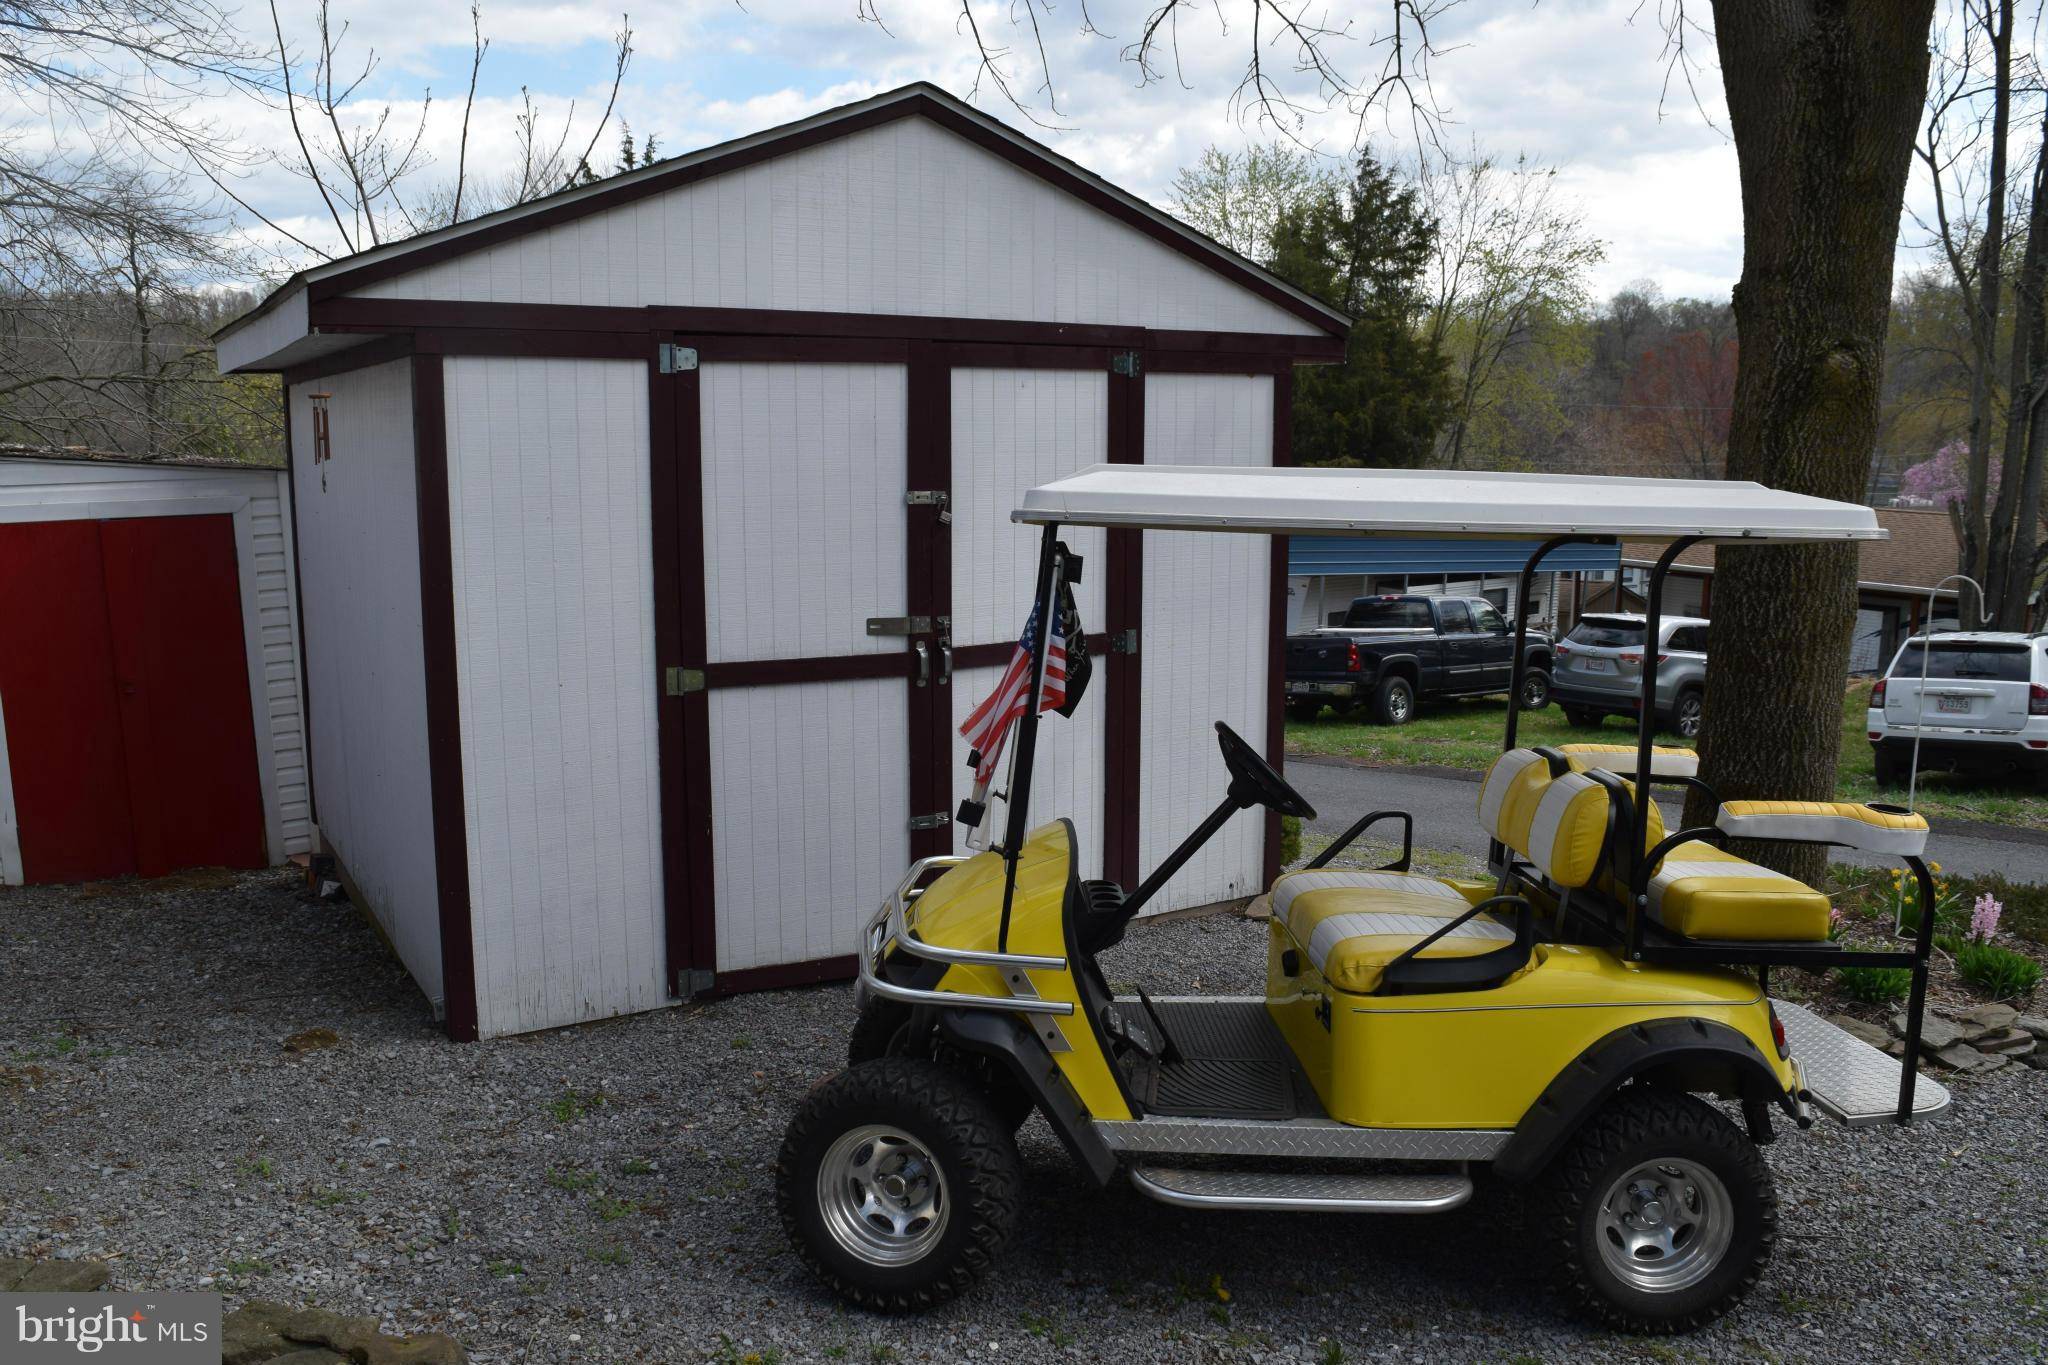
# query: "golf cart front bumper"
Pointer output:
{"type": "Point", "coordinates": [890, 927]}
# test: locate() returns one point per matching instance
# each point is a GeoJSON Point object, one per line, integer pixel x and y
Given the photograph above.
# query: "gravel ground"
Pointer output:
{"type": "Point", "coordinates": [604, 1193]}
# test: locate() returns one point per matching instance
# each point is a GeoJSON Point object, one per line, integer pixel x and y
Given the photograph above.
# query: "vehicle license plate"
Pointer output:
{"type": "Point", "coordinates": [1959, 705]}
{"type": "Point", "coordinates": [1597, 665]}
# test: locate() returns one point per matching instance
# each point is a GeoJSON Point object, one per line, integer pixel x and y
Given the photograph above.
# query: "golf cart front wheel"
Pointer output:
{"type": "Point", "coordinates": [1663, 1213]}
{"type": "Point", "coordinates": [898, 1184]}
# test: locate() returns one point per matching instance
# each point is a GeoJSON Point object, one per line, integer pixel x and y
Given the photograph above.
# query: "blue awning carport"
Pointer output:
{"type": "Point", "coordinates": [1312, 556]}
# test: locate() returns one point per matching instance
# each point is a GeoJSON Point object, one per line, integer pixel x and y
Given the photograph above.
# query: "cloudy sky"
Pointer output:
{"type": "Point", "coordinates": [1578, 84]}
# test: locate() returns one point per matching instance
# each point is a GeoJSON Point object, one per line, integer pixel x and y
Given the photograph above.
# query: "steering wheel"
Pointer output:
{"type": "Point", "coordinates": [1253, 781]}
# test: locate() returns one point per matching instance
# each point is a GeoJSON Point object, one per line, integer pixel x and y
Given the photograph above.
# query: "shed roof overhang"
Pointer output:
{"type": "Point", "coordinates": [248, 343]}
{"type": "Point", "coordinates": [1435, 502]}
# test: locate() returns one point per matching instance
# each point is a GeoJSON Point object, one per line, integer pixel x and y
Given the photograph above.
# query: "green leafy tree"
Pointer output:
{"type": "Point", "coordinates": [1364, 246]}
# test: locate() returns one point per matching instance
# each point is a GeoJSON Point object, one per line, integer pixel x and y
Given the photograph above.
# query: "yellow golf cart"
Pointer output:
{"type": "Point", "coordinates": [1559, 1021]}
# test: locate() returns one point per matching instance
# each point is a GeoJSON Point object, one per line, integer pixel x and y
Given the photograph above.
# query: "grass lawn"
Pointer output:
{"type": "Point", "coordinates": [1466, 734]}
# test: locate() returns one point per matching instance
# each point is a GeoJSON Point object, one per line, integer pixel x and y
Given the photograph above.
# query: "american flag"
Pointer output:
{"type": "Point", "coordinates": [989, 726]}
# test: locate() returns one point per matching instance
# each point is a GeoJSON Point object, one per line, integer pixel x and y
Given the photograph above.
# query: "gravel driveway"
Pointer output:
{"type": "Point", "coordinates": [604, 1193]}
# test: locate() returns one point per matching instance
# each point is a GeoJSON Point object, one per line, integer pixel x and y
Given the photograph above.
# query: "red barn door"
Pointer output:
{"type": "Point", "coordinates": [124, 682]}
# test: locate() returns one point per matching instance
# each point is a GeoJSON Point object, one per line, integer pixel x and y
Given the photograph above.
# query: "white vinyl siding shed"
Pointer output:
{"type": "Point", "coordinates": [689, 498]}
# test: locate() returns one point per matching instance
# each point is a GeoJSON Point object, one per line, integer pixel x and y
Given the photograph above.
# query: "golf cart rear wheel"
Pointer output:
{"type": "Point", "coordinates": [898, 1184]}
{"type": "Point", "coordinates": [1662, 1212]}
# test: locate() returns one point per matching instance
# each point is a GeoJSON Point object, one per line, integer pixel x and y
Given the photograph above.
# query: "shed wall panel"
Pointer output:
{"type": "Point", "coordinates": [1204, 642]}
{"type": "Point", "coordinates": [804, 476]}
{"type": "Point", "coordinates": [551, 535]}
{"type": "Point", "coordinates": [904, 218]}
{"type": "Point", "coordinates": [809, 793]}
{"type": "Point", "coordinates": [1013, 430]}
{"type": "Point", "coordinates": [365, 660]}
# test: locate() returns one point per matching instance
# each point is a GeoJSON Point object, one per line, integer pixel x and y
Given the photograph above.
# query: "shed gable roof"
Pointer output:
{"type": "Point", "coordinates": [367, 269]}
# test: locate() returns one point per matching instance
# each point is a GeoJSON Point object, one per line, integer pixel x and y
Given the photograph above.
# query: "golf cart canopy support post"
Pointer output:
{"type": "Point", "coordinates": [1046, 595]}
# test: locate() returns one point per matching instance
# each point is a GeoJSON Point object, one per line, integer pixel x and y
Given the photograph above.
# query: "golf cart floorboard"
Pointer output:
{"type": "Point", "coordinates": [1233, 1064]}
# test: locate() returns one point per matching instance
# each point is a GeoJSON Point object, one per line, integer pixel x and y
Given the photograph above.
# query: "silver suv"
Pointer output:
{"type": "Point", "coordinates": [1599, 667]}
{"type": "Point", "coordinates": [1985, 712]}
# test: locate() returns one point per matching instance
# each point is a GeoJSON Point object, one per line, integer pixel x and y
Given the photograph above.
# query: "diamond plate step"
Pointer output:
{"type": "Point", "coordinates": [1365, 1192]}
{"type": "Point", "coordinates": [1846, 1078]}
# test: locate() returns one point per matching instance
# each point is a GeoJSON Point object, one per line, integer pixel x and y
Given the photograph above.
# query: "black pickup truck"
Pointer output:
{"type": "Point", "coordinates": [1395, 652]}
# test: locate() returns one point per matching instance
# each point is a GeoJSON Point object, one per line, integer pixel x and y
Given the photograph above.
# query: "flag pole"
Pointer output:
{"type": "Point", "coordinates": [1019, 812]}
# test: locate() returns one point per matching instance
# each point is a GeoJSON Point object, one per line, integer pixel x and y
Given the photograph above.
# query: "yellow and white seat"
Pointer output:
{"type": "Point", "coordinates": [1350, 925]}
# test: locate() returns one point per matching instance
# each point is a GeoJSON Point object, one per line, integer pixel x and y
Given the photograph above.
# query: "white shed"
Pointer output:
{"type": "Point", "coordinates": [149, 670]}
{"type": "Point", "coordinates": [657, 541]}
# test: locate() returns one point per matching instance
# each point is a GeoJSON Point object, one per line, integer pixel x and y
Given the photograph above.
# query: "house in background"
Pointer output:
{"type": "Point", "coordinates": [1326, 573]}
{"type": "Point", "coordinates": [149, 668]}
{"type": "Point", "coordinates": [654, 541]}
{"type": "Point", "coordinates": [1894, 579]}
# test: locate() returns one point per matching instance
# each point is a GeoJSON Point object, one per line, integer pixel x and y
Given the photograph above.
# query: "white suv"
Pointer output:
{"type": "Point", "coordinates": [1985, 711]}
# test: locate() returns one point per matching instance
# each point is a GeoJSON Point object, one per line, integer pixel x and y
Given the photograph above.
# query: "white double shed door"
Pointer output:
{"type": "Point", "coordinates": [835, 583]}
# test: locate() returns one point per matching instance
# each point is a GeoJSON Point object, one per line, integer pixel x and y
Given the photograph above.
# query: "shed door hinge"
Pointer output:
{"type": "Point", "coordinates": [937, 820]}
{"type": "Point", "coordinates": [1124, 641]}
{"type": "Point", "coordinates": [1124, 363]}
{"type": "Point", "coordinates": [675, 359]}
{"type": "Point", "coordinates": [932, 497]}
{"type": "Point", "coordinates": [678, 681]}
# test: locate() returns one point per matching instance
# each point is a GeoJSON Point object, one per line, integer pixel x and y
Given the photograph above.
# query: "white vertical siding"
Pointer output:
{"type": "Point", "coordinates": [359, 559]}
{"type": "Point", "coordinates": [1207, 599]}
{"type": "Point", "coordinates": [907, 217]}
{"type": "Point", "coordinates": [1013, 430]}
{"type": "Point", "coordinates": [551, 531]}
{"type": "Point", "coordinates": [809, 797]}
{"type": "Point", "coordinates": [48, 490]}
{"type": "Point", "coordinates": [804, 475]}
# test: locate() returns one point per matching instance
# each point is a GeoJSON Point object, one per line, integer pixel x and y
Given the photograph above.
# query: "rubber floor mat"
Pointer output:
{"type": "Point", "coordinates": [1234, 1064]}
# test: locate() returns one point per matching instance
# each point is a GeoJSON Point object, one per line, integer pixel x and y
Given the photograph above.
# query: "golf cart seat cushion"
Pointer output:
{"type": "Point", "coordinates": [1621, 759]}
{"type": "Point", "coordinates": [1507, 798]}
{"type": "Point", "coordinates": [1291, 887]}
{"type": "Point", "coordinates": [1351, 932]}
{"type": "Point", "coordinates": [1846, 824]}
{"type": "Point", "coordinates": [1704, 892]}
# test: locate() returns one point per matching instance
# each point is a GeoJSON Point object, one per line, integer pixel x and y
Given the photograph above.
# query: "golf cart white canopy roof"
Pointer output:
{"type": "Point", "coordinates": [1436, 502]}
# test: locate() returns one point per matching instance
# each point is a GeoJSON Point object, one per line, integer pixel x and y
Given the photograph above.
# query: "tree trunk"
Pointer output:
{"type": "Point", "coordinates": [1977, 551]}
{"type": "Point", "coordinates": [1823, 99]}
{"type": "Point", "coordinates": [2010, 561]}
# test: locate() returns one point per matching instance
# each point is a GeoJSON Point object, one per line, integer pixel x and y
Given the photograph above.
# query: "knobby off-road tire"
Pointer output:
{"type": "Point", "coordinates": [898, 1135]}
{"type": "Point", "coordinates": [1707, 1169]}
{"type": "Point", "coordinates": [881, 1030]}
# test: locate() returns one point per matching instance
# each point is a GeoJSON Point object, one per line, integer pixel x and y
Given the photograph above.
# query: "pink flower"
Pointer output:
{"type": "Point", "coordinates": [1984, 918]}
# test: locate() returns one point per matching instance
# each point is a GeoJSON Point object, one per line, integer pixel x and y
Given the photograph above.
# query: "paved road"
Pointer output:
{"type": "Point", "coordinates": [1444, 806]}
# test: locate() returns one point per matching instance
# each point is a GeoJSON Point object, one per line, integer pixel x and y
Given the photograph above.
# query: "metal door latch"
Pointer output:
{"type": "Point", "coordinates": [939, 820]}
{"type": "Point", "coordinates": [932, 497]}
{"type": "Point", "coordinates": [899, 625]}
{"type": "Point", "coordinates": [677, 682]}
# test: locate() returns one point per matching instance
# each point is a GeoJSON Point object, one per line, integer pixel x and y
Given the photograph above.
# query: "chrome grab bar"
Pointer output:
{"type": "Point", "coordinates": [888, 923]}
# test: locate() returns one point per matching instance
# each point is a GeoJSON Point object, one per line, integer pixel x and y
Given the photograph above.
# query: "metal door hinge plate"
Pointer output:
{"type": "Point", "coordinates": [937, 820]}
{"type": "Point", "coordinates": [677, 682]}
{"type": "Point", "coordinates": [1124, 641]}
{"type": "Point", "coordinates": [675, 359]}
{"type": "Point", "coordinates": [1124, 363]}
{"type": "Point", "coordinates": [899, 625]}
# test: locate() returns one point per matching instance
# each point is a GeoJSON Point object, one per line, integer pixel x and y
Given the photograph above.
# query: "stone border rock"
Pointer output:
{"type": "Point", "coordinates": [1969, 1043]}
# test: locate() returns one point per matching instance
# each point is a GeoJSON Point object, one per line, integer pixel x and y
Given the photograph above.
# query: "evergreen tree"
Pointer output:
{"type": "Point", "coordinates": [1363, 246]}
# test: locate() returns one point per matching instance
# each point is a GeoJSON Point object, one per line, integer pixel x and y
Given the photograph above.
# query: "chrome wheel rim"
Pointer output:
{"type": "Point", "coordinates": [1665, 1225]}
{"type": "Point", "coordinates": [883, 1196]}
{"type": "Point", "coordinates": [1535, 692]}
{"type": "Point", "coordinates": [1397, 703]}
{"type": "Point", "coordinates": [1689, 712]}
